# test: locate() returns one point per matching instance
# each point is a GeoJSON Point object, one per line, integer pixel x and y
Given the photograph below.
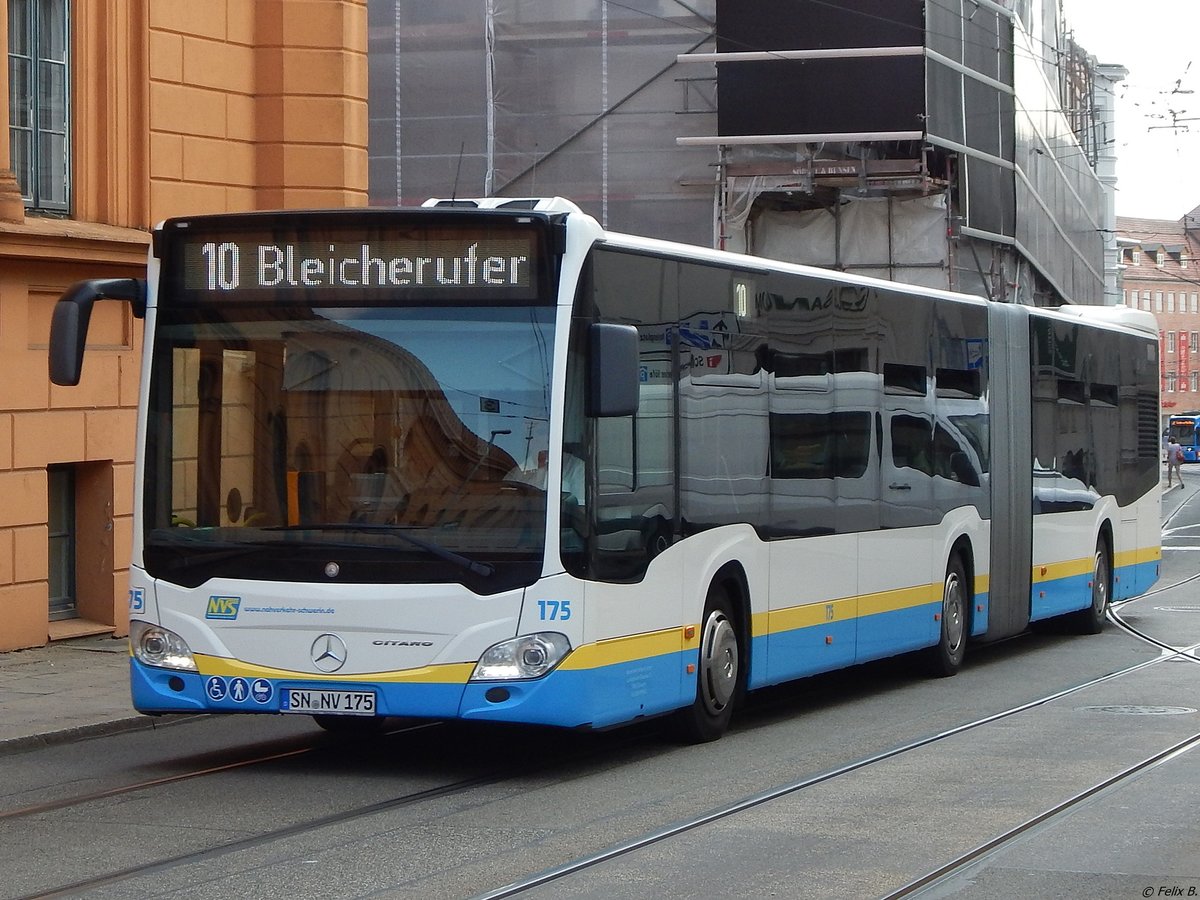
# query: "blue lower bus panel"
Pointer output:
{"type": "Point", "coordinates": [597, 697]}
{"type": "Point", "coordinates": [165, 691]}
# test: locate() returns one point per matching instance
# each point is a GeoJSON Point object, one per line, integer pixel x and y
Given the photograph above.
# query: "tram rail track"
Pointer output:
{"type": "Point", "coordinates": [751, 802]}
{"type": "Point", "coordinates": [959, 863]}
{"type": "Point", "coordinates": [150, 783]}
{"type": "Point", "coordinates": [973, 857]}
{"type": "Point", "coordinates": [450, 789]}
{"type": "Point", "coordinates": [106, 793]}
{"type": "Point", "coordinates": [256, 840]}
{"type": "Point", "coordinates": [966, 861]}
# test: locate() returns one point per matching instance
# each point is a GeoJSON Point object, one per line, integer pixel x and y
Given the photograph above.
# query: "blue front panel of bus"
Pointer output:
{"type": "Point", "coordinates": [598, 697]}
{"type": "Point", "coordinates": [157, 690]}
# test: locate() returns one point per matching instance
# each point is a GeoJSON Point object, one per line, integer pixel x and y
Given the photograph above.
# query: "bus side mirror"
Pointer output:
{"type": "Point", "coordinates": [73, 312]}
{"type": "Point", "coordinates": [613, 370]}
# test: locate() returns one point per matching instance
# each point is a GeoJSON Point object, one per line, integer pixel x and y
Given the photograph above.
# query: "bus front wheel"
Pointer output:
{"type": "Point", "coordinates": [719, 673]}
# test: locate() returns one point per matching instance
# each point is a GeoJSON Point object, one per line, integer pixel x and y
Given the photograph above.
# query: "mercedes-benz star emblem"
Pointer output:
{"type": "Point", "coordinates": [329, 653]}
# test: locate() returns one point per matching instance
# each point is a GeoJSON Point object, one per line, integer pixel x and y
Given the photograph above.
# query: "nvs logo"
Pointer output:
{"type": "Point", "coordinates": [223, 607]}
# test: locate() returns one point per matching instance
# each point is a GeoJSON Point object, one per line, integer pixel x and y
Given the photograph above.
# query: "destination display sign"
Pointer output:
{"type": "Point", "coordinates": [347, 263]}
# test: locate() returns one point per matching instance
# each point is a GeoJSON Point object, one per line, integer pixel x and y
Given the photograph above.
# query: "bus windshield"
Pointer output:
{"type": "Point", "coordinates": [1183, 430]}
{"type": "Point", "coordinates": [361, 444]}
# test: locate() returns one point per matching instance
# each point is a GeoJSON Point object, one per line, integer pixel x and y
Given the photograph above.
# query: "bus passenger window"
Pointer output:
{"type": "Point", "coordinates": [951, 459]}
{"type": "Point", "coordinates": [820, 445]}
{"type": "Point", "coordinates": [911, 443]}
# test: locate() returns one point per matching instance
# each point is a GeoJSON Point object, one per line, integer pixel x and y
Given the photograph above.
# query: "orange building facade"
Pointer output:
{"type": "Point", "coordinates": [166, 108]}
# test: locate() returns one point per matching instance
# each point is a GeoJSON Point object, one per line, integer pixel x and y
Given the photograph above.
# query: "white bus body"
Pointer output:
{"type": "Point", "coordinates": [486, 460]}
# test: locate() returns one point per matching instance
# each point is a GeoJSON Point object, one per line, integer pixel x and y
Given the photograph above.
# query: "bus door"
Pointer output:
{"type": "Point", "coordinates": [906, 473]}
{"type": "Point", "coordinates": [898, 559]}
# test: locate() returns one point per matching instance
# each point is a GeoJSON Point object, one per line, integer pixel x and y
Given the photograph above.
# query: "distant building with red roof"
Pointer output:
{"type": "Point", "coordinates": [1159, 262]}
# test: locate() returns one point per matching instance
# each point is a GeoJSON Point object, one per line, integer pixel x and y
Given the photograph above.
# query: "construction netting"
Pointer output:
{"type": "Point", "coordinates": [576, 98]}
{"type": "Point", "coordinates": [588, 100]}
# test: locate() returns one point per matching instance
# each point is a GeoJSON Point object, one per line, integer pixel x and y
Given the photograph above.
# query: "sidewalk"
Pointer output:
{"type": "Point", "coordinates": [65, 690]}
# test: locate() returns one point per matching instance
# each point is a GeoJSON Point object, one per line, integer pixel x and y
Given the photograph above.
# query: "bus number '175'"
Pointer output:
{"type": "Point", "coordinates": [554, 610]}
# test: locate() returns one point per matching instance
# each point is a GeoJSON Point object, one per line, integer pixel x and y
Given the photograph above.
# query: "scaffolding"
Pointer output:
{"type": "Point", "coordinates": [931, 142]}
{"type": "Point", "coordinates": [579, 98]}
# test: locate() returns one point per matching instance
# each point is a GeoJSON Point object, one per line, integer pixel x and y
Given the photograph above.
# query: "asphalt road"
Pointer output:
{"type": "Point", "coordinates": [273, 807]}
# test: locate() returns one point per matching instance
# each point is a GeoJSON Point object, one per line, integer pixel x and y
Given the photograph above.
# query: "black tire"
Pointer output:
{"type": "Point", "coordinates": [945, 658]}
{"type": "Point", "coordinates": [1091, 619]}
{"type": "Point", "coordinates": [720, 676]}
{"type": "Point", "coordinates": [352, 726]}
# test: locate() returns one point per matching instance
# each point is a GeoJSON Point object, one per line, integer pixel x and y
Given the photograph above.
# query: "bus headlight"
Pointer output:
{"type": "Point", "coordinates": [528, 656]}
{"type": "Point", "coordinates": [157, 646]}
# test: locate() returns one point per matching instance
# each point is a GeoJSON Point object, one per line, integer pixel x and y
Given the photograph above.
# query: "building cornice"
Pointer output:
{"type": "Point", "coordinates": [60, 240]}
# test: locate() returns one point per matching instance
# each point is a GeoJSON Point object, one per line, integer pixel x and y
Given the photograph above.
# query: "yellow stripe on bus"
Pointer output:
{"type": "Point", "coordinates": [1072, 567]}
{"type": "Point", "coordinates": [1068, 569]}
{"type": "Point", "coordinates": [806, 616]}
{"type": "Point", "coordinates": [823, 612]}
{"type": "Point", "coordinates": [450, 673]}
{"type": "Point", "coordinates": [904, 598]}
{"type": "Point", "coordinates": [630, 648]}
{"type": "Point", "coordinates": [1137, 557]}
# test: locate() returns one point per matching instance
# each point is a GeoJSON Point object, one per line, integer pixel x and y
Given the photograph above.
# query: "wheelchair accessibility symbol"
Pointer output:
{"type": "Point", "coordinates": [215, 688]}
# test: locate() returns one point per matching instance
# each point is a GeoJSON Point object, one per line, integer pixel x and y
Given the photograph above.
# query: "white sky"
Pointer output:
{"type": "Point", "coordinates": [1158, 41]}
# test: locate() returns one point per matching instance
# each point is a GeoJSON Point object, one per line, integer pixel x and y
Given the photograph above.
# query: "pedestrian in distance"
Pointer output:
{"type": "Point", "coordinates": [1174, 459]}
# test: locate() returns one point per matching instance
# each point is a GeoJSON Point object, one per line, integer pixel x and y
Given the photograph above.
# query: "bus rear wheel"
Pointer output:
{"type": "Point", "coordinates": [945, 658]}
{"type": "Point", "coordinates": [1091, 619]}
{"type": "Point", "coordinates": [719, 675]}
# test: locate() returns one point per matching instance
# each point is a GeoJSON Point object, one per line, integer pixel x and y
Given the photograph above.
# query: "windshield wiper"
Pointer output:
{"type": "Point", "coordinates": [457, 559]}
{"type": "Point", "coordinates": [208, 550]}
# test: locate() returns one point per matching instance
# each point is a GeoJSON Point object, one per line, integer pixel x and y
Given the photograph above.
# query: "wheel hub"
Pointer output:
{"type": "Point", "coordinates": [952, 611]}
{"type": "Point", "coordinates": [718, 662]}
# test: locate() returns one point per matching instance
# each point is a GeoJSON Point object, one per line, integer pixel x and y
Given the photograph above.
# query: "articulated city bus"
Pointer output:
{"type": "Point", "coordinates": [486, 460]}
